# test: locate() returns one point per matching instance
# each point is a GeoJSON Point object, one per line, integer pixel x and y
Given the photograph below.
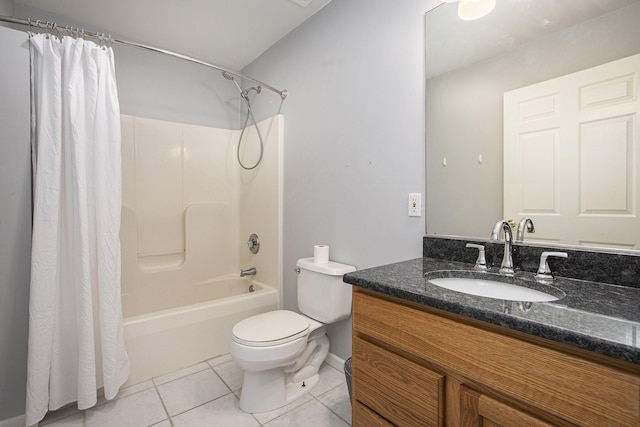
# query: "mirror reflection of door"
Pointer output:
{"type": "Point", "coordinates": [591, 116]}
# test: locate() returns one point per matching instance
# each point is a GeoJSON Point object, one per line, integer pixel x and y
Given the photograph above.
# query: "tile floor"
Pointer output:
{"type": "Point", "coordinates": [206, 394]}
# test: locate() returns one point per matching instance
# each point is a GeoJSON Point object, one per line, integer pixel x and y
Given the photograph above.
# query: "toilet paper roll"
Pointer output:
{"type": "Point", "coordinates": [321, 254]}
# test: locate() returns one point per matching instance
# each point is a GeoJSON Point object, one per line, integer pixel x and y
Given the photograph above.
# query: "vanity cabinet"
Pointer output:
{"type": "Point", "coordinates": [418, 366]}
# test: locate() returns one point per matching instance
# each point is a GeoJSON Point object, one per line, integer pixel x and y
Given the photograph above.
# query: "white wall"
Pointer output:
{"type": "Point", "coordinates": [15, 221]}
{"type": "Point", "coordinates": [354, 135]}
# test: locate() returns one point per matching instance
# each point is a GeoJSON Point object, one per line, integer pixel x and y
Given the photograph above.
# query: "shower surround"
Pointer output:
{"type": "Point", "coordinates": [188, 210]}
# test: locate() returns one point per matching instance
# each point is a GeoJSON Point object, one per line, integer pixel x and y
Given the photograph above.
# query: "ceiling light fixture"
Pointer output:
{"type": "Point", "coordinates": [473, 9]}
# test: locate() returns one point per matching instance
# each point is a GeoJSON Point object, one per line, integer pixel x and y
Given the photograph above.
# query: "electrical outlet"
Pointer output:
{"type": "Point", "coordinates": [415, 204]}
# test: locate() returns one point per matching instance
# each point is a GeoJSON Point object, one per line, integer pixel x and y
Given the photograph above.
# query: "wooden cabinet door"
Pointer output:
{"type": "Point", "coordinates": [365, 417]}
{"type": "Point", "coordinates": [479, 410]}
{"type": "Point", "coordinates": [403, 392]}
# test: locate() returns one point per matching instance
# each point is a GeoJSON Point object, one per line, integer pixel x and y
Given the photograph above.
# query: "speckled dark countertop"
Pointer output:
{"type": "Point", "coordinates": [598, 317]}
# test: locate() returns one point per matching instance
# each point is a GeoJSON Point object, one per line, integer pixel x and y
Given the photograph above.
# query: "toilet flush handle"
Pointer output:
{"type": "Point", "coordinates": [297, 270]}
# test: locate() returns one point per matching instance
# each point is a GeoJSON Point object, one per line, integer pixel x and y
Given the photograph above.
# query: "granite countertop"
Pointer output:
{"type": "Point", "coordinates": [598, 317]}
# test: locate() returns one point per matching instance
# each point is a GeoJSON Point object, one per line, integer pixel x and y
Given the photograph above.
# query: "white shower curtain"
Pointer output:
{"type": "Point", "coordinates": [76, 342]}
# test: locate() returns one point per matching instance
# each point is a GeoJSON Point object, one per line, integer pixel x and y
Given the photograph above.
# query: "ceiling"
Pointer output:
{"type": "Point", "coordinates": [456, 43]}
{"type": "Point", "coordinates": [228, 33]}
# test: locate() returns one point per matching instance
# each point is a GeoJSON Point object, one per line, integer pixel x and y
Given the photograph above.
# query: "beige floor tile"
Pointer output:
{"type": "Point", "coordinates": [337, 399]}
{"type": "Point", "coordinates": [139, 409]}
{"type": "Point", "coordinates": [76, 420]}
{"type": "Point", "coordinates": [311, 414]}
{"type": "Point", "coordinates": [193, 390]}
{"type": "Point", "coordinates": [220, 360]}
{"type": "Point", "coordinates": [265, 417]}
{"type": "Point", "coordinates": [181, 373]}
{"type": "Point", "coordinates": [231, 374]}
{"type": "Point", "coordinates": [329, 378]}
{"type": "Point", "coordinates": [136, 388]}
{"type": "Point", "coordinates": [221, 412]}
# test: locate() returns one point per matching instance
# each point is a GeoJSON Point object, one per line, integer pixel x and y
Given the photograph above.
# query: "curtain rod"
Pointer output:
{"type": "Point", "coordinates": [52, 26]}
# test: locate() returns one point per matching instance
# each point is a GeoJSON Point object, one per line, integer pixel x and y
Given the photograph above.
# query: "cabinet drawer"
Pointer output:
{"type": "Point", "coordinates": [479, 410]}
{"type": "Point", "coordinates": [365, 417]}
{"type": "Point", "coordinates": [578, 390]}
{"type": "Point", "coordinates": [403, 392]}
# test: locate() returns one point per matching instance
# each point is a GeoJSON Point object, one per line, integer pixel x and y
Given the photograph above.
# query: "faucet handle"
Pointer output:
{"type": "Point", "coordinates": [544, 271]}
{"type": "Point", "coordinates": [481, 262]}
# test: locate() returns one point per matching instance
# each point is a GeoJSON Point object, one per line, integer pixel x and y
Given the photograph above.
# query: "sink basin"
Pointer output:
{"type": "Point", "coordinates": [492, 289]}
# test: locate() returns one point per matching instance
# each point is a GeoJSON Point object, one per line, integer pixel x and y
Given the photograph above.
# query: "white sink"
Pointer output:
{"type": "Point", "coordinates": [492, 289]}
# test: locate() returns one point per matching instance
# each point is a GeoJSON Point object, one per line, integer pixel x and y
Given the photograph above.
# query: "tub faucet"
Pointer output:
{"type": "Point", "coordinates": [506, 268]}
{"type": "Point", "coordinates": [248, 272]}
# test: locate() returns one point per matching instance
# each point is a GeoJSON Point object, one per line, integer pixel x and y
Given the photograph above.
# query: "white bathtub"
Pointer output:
{"type": "Point", "coordinates": [183, 331]}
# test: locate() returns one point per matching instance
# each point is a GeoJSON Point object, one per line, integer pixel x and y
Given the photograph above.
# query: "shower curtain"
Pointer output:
{"type": "Point", "coordinates": [76, 342]}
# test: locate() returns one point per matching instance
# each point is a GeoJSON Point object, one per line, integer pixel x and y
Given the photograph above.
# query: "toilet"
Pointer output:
{"type": "Point", "coordinates": [281, 351]}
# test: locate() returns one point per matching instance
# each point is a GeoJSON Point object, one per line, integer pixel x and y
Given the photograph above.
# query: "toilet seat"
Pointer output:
{"type": "Point", "coordinates": [271, 328]}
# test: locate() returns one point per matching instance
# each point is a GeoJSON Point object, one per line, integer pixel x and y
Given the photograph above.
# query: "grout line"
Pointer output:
{"type": "Point", "coordinates": [257, 420]}
{"type": "Point", "coordinates": [153, 380]}
{"type": "Point", "coordinates": [197, 406]}
{"type": "Point", "coordinates": [202, 404]}
{"type": "Point", "coordinates": [334, 412]}
{"type": "Point", "coordinates": [155, 387]}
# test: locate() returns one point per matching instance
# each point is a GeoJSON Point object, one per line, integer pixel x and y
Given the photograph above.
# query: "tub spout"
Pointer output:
{"type": "Point", "coordinates": [248, 272]}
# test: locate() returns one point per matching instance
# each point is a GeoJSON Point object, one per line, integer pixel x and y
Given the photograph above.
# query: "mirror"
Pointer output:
{"type": "Point", "coordinates": [471, 64]}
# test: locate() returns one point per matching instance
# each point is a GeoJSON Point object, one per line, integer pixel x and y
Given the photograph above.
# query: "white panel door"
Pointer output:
{"type": "Point", "coordinates": [571, 156]}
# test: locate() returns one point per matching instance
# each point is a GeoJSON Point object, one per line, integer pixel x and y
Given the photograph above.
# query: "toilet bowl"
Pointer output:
{"type": "Point", "coordinates": [277, 371]}
{"type": "Point", "coordinates": [281, 351]}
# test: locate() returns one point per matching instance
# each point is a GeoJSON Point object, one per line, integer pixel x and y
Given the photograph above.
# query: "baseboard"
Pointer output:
{"type": "Point", "coordinates": [13, 422]}
{"type": "Point", "coordinates": [333, 361]}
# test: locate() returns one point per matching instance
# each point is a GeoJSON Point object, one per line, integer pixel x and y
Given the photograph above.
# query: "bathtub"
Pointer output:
{"type": "Point", "coordinates": [181, 331]}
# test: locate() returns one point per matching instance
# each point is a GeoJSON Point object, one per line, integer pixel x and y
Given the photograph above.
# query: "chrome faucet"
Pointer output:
{"type": "Point", "coordinates": [525, 223]}
{"type": "Point", "coordinates": [506, 268]}
{"type": "Point", "coordinates": [248, 272]}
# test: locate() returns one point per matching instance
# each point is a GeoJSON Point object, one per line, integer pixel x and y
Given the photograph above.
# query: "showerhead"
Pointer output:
{"type": "Point", "coordinates": [243, 93]}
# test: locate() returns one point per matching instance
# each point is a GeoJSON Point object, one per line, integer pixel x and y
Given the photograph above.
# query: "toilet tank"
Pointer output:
{"type": "Point", "coordinates": [322, 295]}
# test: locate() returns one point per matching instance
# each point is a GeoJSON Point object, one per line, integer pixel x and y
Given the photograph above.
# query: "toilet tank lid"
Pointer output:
{"type": "Point", "coordinates": [331, 268]}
